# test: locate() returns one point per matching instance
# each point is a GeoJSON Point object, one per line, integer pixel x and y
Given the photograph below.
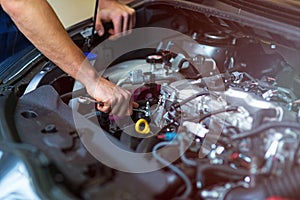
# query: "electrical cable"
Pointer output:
{"type": "Point", "coordinates": [168, 126]}
{"type": "Point", "coordinates": [172, 167]}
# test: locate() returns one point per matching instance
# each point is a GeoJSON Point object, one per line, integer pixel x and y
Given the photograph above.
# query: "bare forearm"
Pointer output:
{"type": "Point", "coordinates": [39, 23]}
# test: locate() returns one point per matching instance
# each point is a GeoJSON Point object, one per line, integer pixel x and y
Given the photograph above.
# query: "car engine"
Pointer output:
{"type": "Point", "coordinates": [218, 114]}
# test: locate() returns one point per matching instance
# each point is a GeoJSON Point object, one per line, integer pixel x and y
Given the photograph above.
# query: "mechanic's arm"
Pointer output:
{"type": "Point", "coordinates": [122, 16]}
{"type": "Point", "coordinates": [39, 23]}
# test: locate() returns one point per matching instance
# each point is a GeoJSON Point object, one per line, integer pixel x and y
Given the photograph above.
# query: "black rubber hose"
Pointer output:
{"type": "Point", "coordinates": [221, 170]}
{"type": "Point", "coordinates": [215, 112]}
{"type": "Point", "coordinates": [264, 127]}
{"type": "Point", "coordinates": [177, 105]}
{"type": "Point", "coordinates": [287, 186]}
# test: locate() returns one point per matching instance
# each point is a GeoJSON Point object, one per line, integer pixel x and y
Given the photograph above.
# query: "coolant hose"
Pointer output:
{"type": "Point", "coordinates": [287, 186]}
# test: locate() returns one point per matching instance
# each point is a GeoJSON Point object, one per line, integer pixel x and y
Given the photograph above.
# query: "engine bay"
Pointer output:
{"type": "Point", "coordinates": [218, 115]}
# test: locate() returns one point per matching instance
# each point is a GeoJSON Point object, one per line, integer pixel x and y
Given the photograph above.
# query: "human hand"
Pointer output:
{"type": "Point", "coordinates": [122, 17]}
{"type": "Point", "coordinates": [115, 100]}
